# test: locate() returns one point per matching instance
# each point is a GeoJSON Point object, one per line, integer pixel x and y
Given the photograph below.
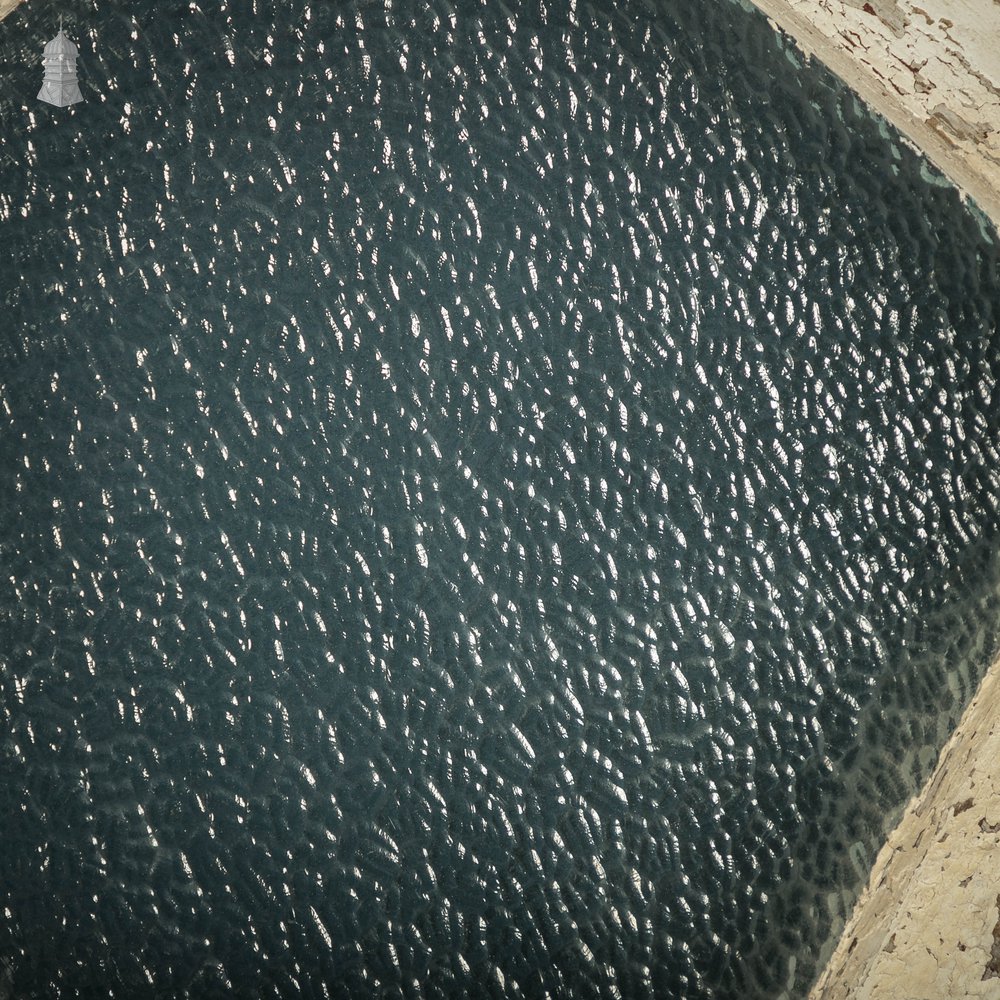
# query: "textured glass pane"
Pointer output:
{"type": "Point", "coordinates": [495, 500]}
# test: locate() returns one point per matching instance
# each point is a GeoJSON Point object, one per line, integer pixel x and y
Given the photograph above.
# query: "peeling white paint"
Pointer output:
{"type": "Point", "coordinates": [931, 67]}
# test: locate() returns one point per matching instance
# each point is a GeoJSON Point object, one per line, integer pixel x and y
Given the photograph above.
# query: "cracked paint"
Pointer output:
{"type": "Point", "coordinates": [927, 927]}
{"type": "Point", "coordinates": [992, 970]}
{"type": "Point", "coordinates": [931, 67]}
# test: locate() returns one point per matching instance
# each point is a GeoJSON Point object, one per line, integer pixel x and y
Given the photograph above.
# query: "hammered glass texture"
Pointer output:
{"type": "Point", "coordinates": [496, 499]}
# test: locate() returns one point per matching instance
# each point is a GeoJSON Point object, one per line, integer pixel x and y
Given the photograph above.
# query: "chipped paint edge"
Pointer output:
{"type": "Point", "coordinates": [927, 925]}
{"type": "Point", "coordinates": [976, 177]}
